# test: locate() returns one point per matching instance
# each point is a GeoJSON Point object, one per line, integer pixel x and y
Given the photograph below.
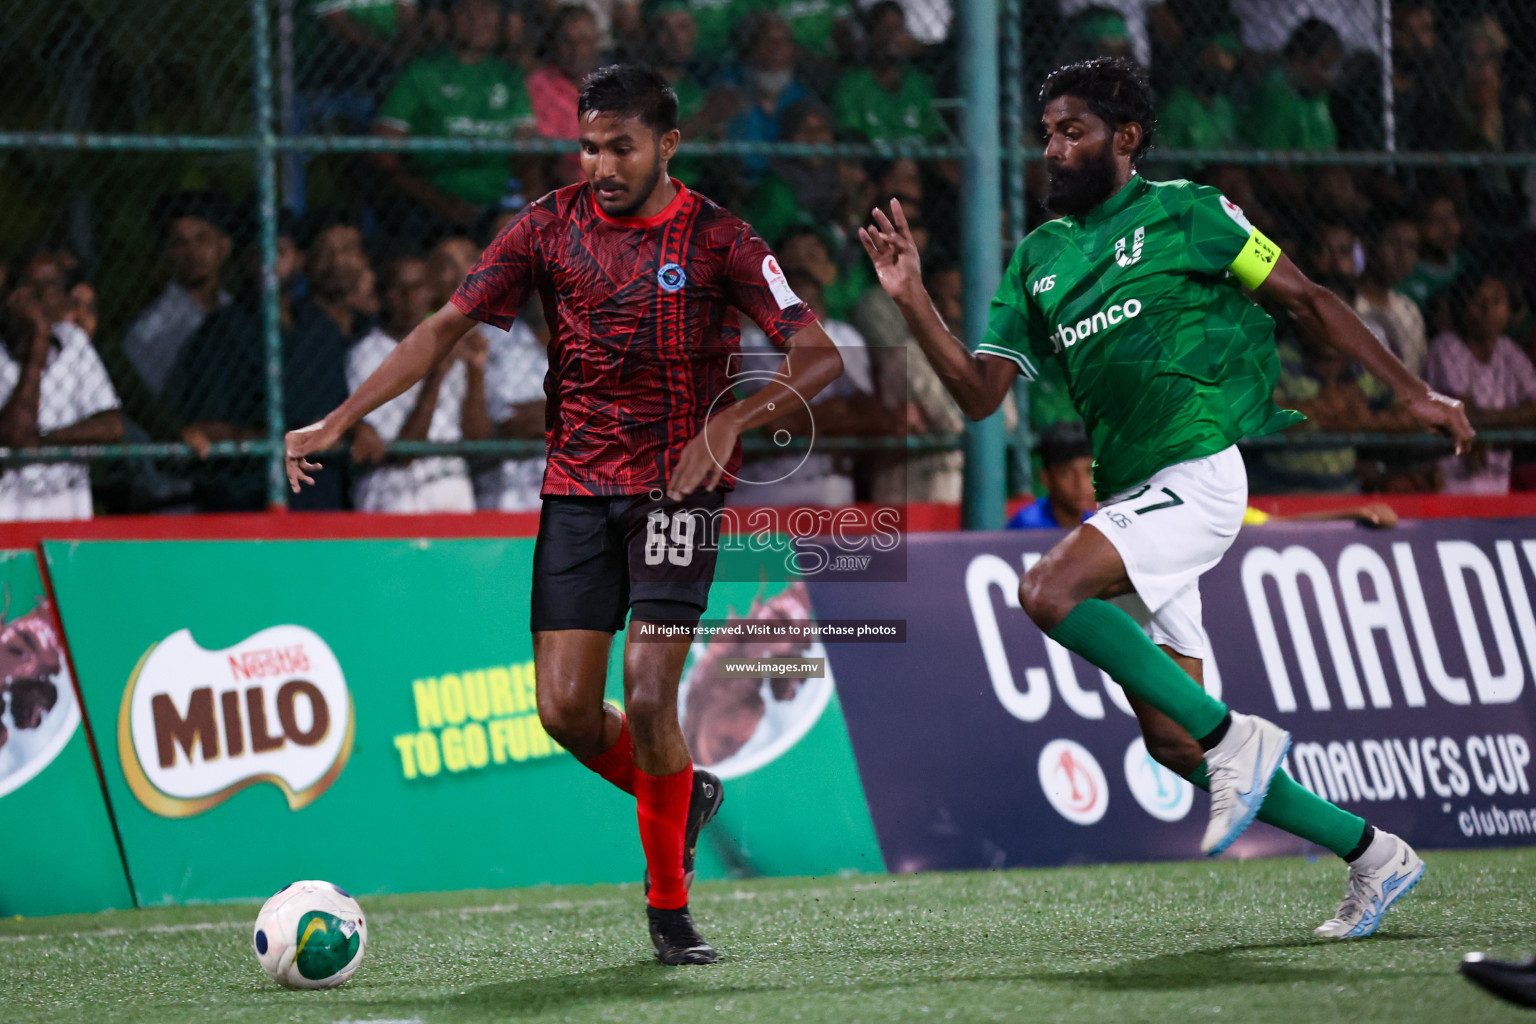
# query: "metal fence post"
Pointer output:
{"type": "Point", "coordinates": [982, 503]}
{"type": "Point", "coordinates": [1015, 107]}
{"type": "Point", "coordinates": [271, 314]}
{"type": "Point", "coordinates": [1388, 94]}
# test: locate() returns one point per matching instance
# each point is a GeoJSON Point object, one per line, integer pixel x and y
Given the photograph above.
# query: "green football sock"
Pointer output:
{"type": "Point", "coordinates": [1110, 639]}
{"type": "Point", "coordinates": [1292, 807]}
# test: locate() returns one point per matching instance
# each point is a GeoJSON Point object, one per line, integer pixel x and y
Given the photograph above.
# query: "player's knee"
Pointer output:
{"type": "Point", "coordinates": [1043, 600]}
{"type": "Point", "coordinates": [650, 710]}
{"type": "Point", "coordinates": [576, 727]}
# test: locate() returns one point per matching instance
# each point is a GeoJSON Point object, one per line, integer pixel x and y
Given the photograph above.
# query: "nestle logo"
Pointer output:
{"type": "Point", "coordinates": [275, 661]}
{"type": "Point", "coordinates": [188, 740]}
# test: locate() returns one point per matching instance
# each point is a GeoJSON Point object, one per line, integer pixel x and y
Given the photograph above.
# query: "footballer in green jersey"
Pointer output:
{"type": "Point", "coordinates": [1138, 292]}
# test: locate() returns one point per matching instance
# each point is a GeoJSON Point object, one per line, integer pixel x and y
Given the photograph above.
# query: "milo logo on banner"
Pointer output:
{"type": "Point", "coordinates": [197, 726]}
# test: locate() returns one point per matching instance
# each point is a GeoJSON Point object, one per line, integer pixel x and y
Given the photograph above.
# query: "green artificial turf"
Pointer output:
{"type": "Point", "coordinates": [1162, 943]}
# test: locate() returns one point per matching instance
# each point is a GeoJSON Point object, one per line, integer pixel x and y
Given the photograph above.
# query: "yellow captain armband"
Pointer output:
{"type": "Point", "coordinates": [1256, 260]}
{"type": "Point", "coordinates": [1254, 517]}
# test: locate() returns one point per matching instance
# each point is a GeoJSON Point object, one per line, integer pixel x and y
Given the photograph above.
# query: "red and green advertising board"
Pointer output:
{"type": "Point", "coordinates": [57, 851]}
{"type": "Point", "coordinates": [363, 711]}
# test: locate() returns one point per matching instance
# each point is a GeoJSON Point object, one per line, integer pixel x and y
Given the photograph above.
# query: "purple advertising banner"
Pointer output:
{"type": "Point", "coordinates": [1402, 662]}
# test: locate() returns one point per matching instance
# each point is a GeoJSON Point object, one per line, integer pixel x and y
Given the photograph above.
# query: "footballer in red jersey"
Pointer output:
{"type": "Point", "coordinates": [640, 280]}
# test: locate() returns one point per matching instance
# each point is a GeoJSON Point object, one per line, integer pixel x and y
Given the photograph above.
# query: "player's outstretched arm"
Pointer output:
{"type": "Point", "coordinates": [1325, 315]}
{"type": "Point", "coordinates": [978, 385]}
{"type": "Point", "coordinates": [813, 362]}
{"type": "Point", "coordinates": [411, 360]}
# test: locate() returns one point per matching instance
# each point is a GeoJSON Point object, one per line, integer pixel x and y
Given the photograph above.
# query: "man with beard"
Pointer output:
{"type": "Point", "coordinates": [1134, 292]}
{"type": "Point", "coordinates": [638, 276]}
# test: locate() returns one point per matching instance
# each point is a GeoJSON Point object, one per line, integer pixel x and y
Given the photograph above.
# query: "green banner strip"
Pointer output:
{"type": "Point", "coordinates": [363, 711]}
{"type": "Point", "coordinates": [57, 847]}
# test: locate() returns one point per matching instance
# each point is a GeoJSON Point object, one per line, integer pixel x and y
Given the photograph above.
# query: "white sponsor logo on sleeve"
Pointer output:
{"type": "Point", "coordinates": [1236, 213]}
{"type": "Point", "coordinates": [778, 284]}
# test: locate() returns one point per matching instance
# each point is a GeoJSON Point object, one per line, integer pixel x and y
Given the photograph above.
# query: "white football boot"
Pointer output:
{"type": "Point", "coordinates": [1241, 767]}
{"type": "Point", "coordinates": [1378, 877]}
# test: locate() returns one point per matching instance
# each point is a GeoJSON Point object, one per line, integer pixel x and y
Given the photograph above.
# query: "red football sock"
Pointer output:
{"type": "Point", "coordinates": [663, 804]}
{"type": "Point", "coordinates": [617, 763]}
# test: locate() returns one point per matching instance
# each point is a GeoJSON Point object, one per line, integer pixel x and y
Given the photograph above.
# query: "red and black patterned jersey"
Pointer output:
{"type": "Point", "coordinates": [642, 327]}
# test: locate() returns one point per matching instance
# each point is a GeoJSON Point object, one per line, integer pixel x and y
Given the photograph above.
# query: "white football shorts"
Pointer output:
{"type": "Point", "coordinates": [1169, 532]}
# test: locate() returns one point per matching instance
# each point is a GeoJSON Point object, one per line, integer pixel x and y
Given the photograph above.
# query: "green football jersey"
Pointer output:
{"type": "Point", "coordinates": [1138, 302]}
{"type": "Point", "coordinates": [438, 95]}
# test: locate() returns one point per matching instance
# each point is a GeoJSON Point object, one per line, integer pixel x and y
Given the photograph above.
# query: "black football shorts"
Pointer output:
{"type": "Point", "coordinates": [597, 558]}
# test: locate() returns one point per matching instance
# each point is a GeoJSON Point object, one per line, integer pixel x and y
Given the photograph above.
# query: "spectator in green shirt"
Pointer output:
{"type": "Point", "coordinates": [462, 91]}
{"type": "Point", "coordinates": [888, 100]}
{"type": "Point", "coordinates": [1199, 113]}
{"type": "Point", "coordinates": [350, 47]}
{"type": "Point", "coordinates": [713, 21]}
{"type": "Point", "coordinates": [370, 33]}
{"type": "Point", "coordinates": [752, 96]}
{"type": "Point", "coordinates": [1290, 107]}
{"type": "Point", "coordinates": [1441, 260]}
{"type": "Point", "coordinates": [820, 28]}
{"type": "Point", "coordinates": [805, 248]}
{"type": "Point", "coordinates": [798, 190]}
{"type": "Point", "coordinates": [671, 35]}
{"type": "Point", "coordinates": [1097, 31]}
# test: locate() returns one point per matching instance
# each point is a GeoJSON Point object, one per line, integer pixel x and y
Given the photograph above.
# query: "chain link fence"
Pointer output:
{"type": "Point", "coordinates": [223, 216]}
{"type": "Point", "coordinates": [1387, 147]}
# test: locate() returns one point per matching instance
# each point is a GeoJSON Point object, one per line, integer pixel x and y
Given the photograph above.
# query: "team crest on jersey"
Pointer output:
{"type": "Point", "coordinates": [1135, 254]}
{"type": "Point", "coordinates": [671, 277]}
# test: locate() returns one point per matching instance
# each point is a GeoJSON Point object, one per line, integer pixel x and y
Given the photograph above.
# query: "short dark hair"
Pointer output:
{"type": "Point", "coordinates": [390, 263]}
{"type": "Point", "coordinates": [795, 115]}
{"type": "Point", "coordinates": [801, 281]}
{"type": "Point", "coordinates": [1466, 286]}
{"type": "Point", "coordinates": [196, 204]}
{"type": "Point", "coordinates": [800, 229]}
{"type": "Point", "coordinates": [933, 266]}
{"type": "Point", "coordinates": [1116, 91]}
{"type": "Point", "coordinates": [1064, 441]}
{"type": "Point", "coordinates": [320, 219]}
{"type": "Point", "coordinates": [632, 91]}
{"type": "Point", "coordinates": [1375, 228]}
{"type": "Point", "coordinates": [1430, 198]}
{"type": "Point", "coordinates": [876, 11]}
{"type": "Point", "coordinates": [1311, 37]}
{"type": "Point", "coordinates": [564, 15]}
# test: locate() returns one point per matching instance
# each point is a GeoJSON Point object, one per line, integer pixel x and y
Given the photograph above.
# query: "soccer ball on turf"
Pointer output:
{"type": "Point", "coordinates": [310, 935]}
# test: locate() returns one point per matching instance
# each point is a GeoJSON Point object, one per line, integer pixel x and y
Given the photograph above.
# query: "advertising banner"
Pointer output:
{"type": "Point", "coordinates": [1403, 663]}
{"type": "Point", "coordinates": [363, 711]}
{"type": "Point", "coordinates": [57, 851]}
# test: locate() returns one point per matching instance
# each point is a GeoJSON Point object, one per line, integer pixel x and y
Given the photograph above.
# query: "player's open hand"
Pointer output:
{"type": "Point", "coordinates": [894, 253]}
{"type": "Point", "coordinates": [1443, 415]}
{"type": "Point", "coordinates": [300, 444]}
{"type": "Point", "coordinates": [704, 458]}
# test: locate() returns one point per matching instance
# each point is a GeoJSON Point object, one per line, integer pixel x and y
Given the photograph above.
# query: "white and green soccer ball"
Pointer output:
{"type": "Point", "coordinates": [310, 935]}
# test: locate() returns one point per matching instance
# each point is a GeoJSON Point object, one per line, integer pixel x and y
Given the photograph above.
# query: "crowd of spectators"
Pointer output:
{"type": "Point", "coordinates": [1436, 260]}
{"type": "Point", "coordinates": [1430, 257]}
